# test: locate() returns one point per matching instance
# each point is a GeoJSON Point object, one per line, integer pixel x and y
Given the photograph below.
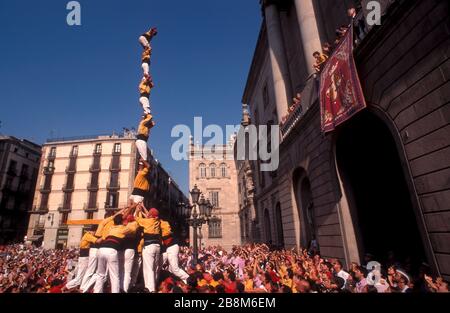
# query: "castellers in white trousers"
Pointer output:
{"type": "Point", "coordinates": [108, 265]}
{"type": "Point", "coordinates": [81, 270]}
{"type": "Point", "coordinates": [145, 103]}
{"type": "Point", "coordinates": [150, 258]}
{"type": "Point", "coordinates": [89, 277]}
{"type": "Point", "coordinates": [141, 146]}
{"type": "Point", "coordinates": [126, 269]}
{"type": "Point", "coordinates": [171, 255]}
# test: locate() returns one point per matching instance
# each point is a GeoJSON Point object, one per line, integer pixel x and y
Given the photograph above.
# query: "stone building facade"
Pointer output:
{"type": "Point", "coordinates": [379, 183]}
{"type": "Point", "coordinates": [85, 177]}
{"type": "Point", "coordinates": [19, 164]}
{"type": "Point", "coordinates": [213, 170]}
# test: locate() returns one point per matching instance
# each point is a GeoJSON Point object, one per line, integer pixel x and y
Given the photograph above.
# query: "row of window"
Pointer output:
{"type": "Point", "coordinates": [212, 170]}
{"type": "Point", "coordinates": [97, 150]}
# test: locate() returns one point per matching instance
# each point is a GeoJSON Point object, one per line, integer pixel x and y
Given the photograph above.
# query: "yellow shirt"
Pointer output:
{"type": "Point", "coordinates": [144, 87]}
{"type": "Point", "coordinates": [104, 226]}
{"type": "Point", "coordinates": [152, 226]}
{"type": "Point", "coordinates": [146, 55]}
{"type": "Point", "coordinates": [166, 230]}
{"type": "Point", "coordinates": [214, 283]}
{"type": "Point", "coordinates": [140, 246]}
{"type": "Point", "coordinates": [121, 231]}
{"type": "Point", "coordinates": [87, 240]}
{"type": "Point", "coordinates": [144, 125]}
{"type": "Point", "coordinates": [141, 181]}
{"type": "Point", "coordinates": [248, 285]}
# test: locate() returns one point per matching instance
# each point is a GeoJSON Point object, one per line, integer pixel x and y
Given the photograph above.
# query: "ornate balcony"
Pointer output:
{"type": "Point", "coordinates": [309, 96]}
{"type": "Point", "coordinates": [39, 210]}
{"type": "Point", "coordinates": [113, 186]}
{"type": "Point", "coordinates": [45, 189]}
{"type": "Point", "coordinates": [90, 208]}
{"type": "Point", "coordinates": [95, 168]}
{"type": "Point", "coordinates": [67, 188]}
{"type": "Point", "coordinates": [71, 170]}
{"type": "Point", "coordinates": [48, 170]}
{"type": "Point", "coordinates": [66, 208]}
{"type": "Point", "coordinates": [92, 187]}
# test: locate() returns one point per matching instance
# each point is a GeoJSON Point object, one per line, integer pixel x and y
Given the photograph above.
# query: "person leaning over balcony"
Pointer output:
{"type": "Point", "coordinates": [87, 240]}
{"type": "Point", "coordinates": [320, 60]}
{"type": "Point", "coordinates": [152, 237]}
{"type": "Point", "coordinates": [147, 37]}
{"type": "Point", "coordinates": [108, 254]}
{"type": "Point", "coordinates": [170, 249]}
{"type": "Point", "coordinates": [141, 184]}
{"type": "Point", "coordinates": [145, 125]}
{"type": "Point", "coordinates": [145, 87]}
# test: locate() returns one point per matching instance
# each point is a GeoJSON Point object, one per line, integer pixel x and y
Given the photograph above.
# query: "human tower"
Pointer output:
{"type": "Point", "coordinates": [145, 87]}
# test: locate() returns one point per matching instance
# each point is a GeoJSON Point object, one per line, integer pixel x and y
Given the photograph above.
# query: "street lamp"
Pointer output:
{"type": "Point", "coordinates": [197, 219]}
{"type": "Point", "coordinates": [195, 193]}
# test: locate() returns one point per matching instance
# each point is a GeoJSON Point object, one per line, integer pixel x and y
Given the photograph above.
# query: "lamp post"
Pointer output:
{"type": "Point", "coordinates": [197, 219]}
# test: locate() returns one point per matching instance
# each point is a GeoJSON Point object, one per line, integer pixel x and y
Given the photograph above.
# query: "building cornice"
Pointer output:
{"type": "Point", "coordinates": [259, 56]}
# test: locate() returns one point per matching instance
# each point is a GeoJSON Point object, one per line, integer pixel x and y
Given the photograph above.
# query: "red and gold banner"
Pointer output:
{"type": "Point", "coordinates": [341, 95]}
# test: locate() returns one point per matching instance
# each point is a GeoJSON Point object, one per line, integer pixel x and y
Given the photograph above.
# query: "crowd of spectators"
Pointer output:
{"type": "Point", "coordinates": [26, 268]}
{"type": "Point", "coordinates": [251, 268]}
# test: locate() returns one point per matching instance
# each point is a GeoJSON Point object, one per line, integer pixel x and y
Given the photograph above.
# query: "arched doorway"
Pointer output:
{"type": "Point", "coordinates": [279, 220]}
{"type": "Point", "coordinates": [305, 207]}
{"type": "Point", "coordinates": [377, 192]}
{"type": "Point", "coordinates": [267, 227]}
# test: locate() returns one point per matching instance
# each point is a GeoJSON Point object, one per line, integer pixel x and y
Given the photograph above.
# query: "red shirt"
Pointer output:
{"type": "Point", "coordinates": [274, 276]}
{"type": "Point", "coordinates": [230, 287]}
{"type": "Point", "coordinates": [56, 289]}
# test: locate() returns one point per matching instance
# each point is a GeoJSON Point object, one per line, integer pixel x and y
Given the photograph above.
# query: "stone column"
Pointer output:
{"type": "Point", "coordinates": [280, 70]}
{"type": "Point", "coordinates": [309, 31]}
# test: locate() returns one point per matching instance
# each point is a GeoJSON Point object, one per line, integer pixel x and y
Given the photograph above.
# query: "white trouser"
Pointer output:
{"type": "Point", "coordinates": [89, 276]}
{"type": "Point", "coordinates": [121, 258]}
{"type": "Point", "coordinates": [136, 267]}
{"type": "Point", "coordinates": [150, 256]}
{"type": "Point", "coordinates": [171, 255]}
{"type": "Point", "coordinates": [141, 146]}
{"type": "Point", "coordinates": [146, 68]}
{"type": "Point", "coordinates": [128, 261]}
{"type": "Point", "coordinates": [81, 270]}
{"type": "Point", "coordinates": [144, 42]}
{"type": "Point", "coordinates": [145, 103]}
{"type": "Point", "coordinates": [108, 258]}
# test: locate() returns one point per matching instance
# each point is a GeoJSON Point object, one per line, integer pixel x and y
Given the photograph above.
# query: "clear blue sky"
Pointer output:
{"type": "Point", "coordinates": [57, 80]}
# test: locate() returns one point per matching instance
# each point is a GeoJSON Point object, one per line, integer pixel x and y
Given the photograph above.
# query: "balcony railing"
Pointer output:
{"type": "Point", "coordinates": [45, 189]}
{"type": "Point", "coordinates": [309, 96]}
{"type": "Point", "coordinates": [67, 188]}
{"type": "Point", "coordinates": [49, 170]}
{"type": "Point", "coordinates": [95, 168]}
{"type": "Point", "coordinates": [113, 186]}
{"type": "Point", "coordinates": [39, 210]}
{"type": "Point", "coordinates": [114, 207]}
{"type": "Point", "coordinates": [70, 169]}
{"type": "Point", "coordinates": [91, 207]}
{"type": "Point", "coordinates": [115, 167]}
{"type": "Point", "coordinates": [65, 208]}
{"type": "Point", "coordinates": [92, 187]}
